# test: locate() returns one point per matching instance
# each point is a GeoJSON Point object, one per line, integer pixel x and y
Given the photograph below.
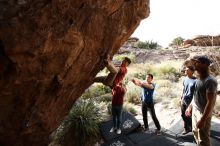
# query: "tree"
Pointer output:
{"type": "Point", "coordinates": [177, 41]}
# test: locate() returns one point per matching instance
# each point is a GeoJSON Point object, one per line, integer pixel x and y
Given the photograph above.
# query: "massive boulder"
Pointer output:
{"type": "Point", "coordinates": [50, 51]}
{"type": "Point", "coordinates": [203, 40]}
{"type": "Point", "coordinates": [210, 52]}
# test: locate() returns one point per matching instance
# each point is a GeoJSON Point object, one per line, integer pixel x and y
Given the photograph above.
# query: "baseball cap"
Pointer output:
{"type": "Point", "coordinates": [202, 59]}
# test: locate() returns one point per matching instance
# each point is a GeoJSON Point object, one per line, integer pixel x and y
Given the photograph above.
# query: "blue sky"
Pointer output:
{"type": "Point", "coordinates": [173, 18]}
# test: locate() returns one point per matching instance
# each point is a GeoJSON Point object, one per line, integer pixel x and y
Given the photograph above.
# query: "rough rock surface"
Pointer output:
{"type": "Point", "coordinates": [211, 52]}
{"type": "Point", "coordinates": [203, 40]}
{"type": "Point", "coordinates": [50, 51]}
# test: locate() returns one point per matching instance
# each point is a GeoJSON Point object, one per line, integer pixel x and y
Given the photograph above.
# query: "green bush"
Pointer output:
{"type": "Point", "coordinates": [81, 125]}
{"type": "Point", "coordinates": [142, 45]}
{"type": "Point", "coordinates": [147, 45]}
{"type": "Point", "coordinates": [140, 75]}
{"type": "Point", "coordinates": [177, 41]}
{"type": "Point", "coordinates": [95, 91]}
{"type": "Point", "coordinates": [120, 58]}
{"type": "Point", "coordinates": [169, 72]}
{"type": "Point", "coordinates": [104, 98]}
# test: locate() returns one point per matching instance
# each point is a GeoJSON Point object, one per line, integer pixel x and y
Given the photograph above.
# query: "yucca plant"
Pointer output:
{"type": "Point", "coordinates": [81, 125]}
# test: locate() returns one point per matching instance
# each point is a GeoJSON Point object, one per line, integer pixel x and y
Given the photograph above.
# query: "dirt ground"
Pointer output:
{"type": "Point", "coordinates": [166, 116]}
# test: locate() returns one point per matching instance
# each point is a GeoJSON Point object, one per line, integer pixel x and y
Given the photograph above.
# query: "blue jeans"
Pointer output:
{"type": "Point", "coordinates": [116, 113]}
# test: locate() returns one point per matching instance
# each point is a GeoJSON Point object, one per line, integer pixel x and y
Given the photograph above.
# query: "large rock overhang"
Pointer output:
{"type": "Point", "coordinates": [50, 52]}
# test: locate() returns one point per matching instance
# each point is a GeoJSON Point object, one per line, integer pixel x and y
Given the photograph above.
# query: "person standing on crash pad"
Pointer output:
{"type": "Point", "coordinates": [147, 101]}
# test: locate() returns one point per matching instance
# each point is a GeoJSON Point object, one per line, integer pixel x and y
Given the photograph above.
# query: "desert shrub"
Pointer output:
{"type": "Point", "coordinates": [147, 45]}
{"type": "Point", "coordinates": [177, 41]}
{"type": "Point", "coordinates": [141, 75]}
{"type": "Point", "coordinates": [166, 91]}
{"type": "Point", "coordinates": [140, 71]}
{"type": "Point", "coordinates": [80, 127]}
{"type": "Point", "coordinates": [167, 79]}
{"type": "Point", "coordinates": [119, 58]}
{"type": "Point", "coordinates": [142, 45]}
{"type": "Point", "coordinates": [104, 98]}
{"type": "Point", "coordinates": [133, 93]}
{"type": "Point", "coordinates": [167, 72]}
{"type": "Point", "coordinates": [95, 91]}
{"type": "Point", "coordinates": [164, 83]}
{"type": "Point", "coordinates": [129, 107]}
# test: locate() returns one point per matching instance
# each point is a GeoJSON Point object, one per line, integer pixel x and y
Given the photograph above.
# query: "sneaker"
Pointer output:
{"type": "Point", "coordinates": [112, 129]}
{"type": "Point", "coordinates": [118, 131]}
{"type": "Point", "coordinates": [158, 132]}
{"type": "Point", "coordinates": [146, 129]}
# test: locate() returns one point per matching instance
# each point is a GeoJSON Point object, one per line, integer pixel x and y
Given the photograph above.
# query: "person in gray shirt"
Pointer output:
{"type": "Point", "coordinates": [204, 99]}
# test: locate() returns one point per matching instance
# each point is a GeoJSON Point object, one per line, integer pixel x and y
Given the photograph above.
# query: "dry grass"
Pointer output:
{"type": "Point", "coordinates": [133, 93]}
{"type": "Point", "coordinates": [162, 70]}
{"type": "Point", "coordinates": [168, 90]}
{"type": "Point", "coordinates": [129, 107]}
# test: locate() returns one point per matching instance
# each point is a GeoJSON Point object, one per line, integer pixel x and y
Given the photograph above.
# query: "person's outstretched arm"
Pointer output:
{"type": "Point", "coordinates": [137, 82]}
{"type": "Point", "coordinates": [149, 86]}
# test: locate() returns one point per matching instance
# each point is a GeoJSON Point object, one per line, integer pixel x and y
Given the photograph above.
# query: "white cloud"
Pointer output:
{"type": "Point", "coordinates": [173, 18]}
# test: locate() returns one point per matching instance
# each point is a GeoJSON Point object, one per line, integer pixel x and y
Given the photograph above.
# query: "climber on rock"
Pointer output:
{"type": "Point", "coordinates": [116, 74]}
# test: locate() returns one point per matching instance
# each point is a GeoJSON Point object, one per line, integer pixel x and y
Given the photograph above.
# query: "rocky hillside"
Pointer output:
{"type": "Point", "coordinates": [50, 51]}
{"type": "Point", "coordinates": [203, 40]}
{"type": "Point", "coordinates": [180, 54]}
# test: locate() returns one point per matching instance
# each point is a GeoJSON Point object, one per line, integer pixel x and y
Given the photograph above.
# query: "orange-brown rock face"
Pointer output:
{"type": "Point", "coordinates": [50, 52]}
{"type": "Point", "coordinates": [205, 40]}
